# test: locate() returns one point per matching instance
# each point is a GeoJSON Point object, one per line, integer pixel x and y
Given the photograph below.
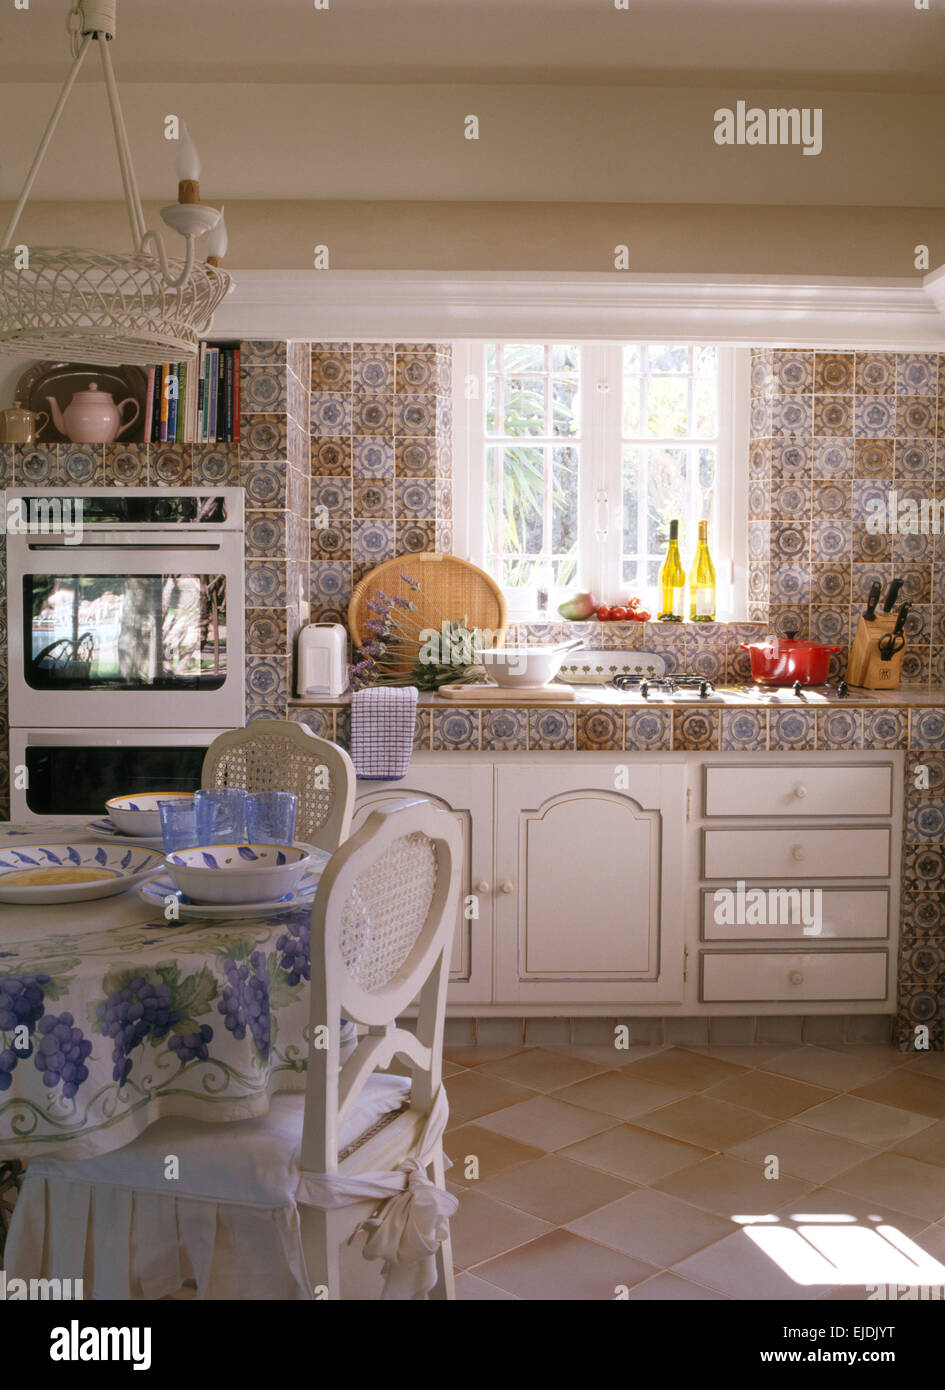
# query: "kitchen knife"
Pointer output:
{"type": "Point", "coordinates": [893, 594]}
{"type": "Point", "coordinates": [872, 601]}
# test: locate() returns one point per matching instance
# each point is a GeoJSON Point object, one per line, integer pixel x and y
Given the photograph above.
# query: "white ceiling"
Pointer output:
{"type": "Point", "coordinates": [865, 44]}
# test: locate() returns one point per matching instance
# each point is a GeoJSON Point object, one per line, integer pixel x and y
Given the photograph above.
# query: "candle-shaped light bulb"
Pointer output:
{"type": "Point", "coordinates": [217, 242]}
{"type": "Point", "coordinates": [188, 168]}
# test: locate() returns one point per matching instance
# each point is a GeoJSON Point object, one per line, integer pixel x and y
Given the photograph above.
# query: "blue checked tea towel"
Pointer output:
{"type": "Point", "coordinates": [383, 720]}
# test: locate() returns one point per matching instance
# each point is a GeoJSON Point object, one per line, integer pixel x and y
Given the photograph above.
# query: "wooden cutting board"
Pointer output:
{"type": "Point", "coordinates": [451, 588]}
{"type": "Point", "coordinates": [507, 695]}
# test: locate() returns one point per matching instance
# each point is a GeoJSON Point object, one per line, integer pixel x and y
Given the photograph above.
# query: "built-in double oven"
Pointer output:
{"type": "Point", "coordinates": [126, 640]}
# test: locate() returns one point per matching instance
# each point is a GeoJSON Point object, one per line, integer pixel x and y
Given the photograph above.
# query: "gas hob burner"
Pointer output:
{"type": "Point", "coordinates": [686, 683]}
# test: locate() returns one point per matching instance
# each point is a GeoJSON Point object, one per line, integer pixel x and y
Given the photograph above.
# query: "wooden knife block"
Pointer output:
{"type": "Point", "coordinates": [866, 667]}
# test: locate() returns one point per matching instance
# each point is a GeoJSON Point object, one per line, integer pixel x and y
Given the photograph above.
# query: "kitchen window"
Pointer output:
{"type": "Point", "coordinates": [572, 458]}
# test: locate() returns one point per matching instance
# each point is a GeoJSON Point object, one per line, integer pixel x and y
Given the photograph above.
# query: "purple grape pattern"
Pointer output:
{"type": "Point", "coordinates": [129, 1016]}
{"type": "Point", "coordinates": [62, 1053]}
{"type": "Point", "coordinates": [22, 1002]}
{"type": "Point", "coordinates": [245, 1001]}
{"type": "Point", "coordinates": [296, 947]}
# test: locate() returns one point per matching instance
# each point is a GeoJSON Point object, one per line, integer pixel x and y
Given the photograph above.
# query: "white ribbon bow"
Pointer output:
{"type": "Point", "coordinates": [414, 1220]}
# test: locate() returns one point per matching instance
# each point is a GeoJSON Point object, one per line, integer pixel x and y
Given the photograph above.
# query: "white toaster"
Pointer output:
{"type": "Point", "coordinates": [322, 667]}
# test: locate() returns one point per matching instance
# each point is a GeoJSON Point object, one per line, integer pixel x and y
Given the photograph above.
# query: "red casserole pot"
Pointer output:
{"type": "Point", "coordinates": [784, 660]}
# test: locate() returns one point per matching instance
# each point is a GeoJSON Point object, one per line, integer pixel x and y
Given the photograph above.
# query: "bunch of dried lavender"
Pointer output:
{"type": "Point", "coordinates": [401, 651]}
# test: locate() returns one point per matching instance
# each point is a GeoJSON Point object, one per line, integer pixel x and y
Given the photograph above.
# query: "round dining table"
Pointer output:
{"type": "Point", "coordinates": [131, 1017]}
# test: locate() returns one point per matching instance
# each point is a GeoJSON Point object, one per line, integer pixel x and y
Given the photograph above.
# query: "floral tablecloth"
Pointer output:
{"type": "Point", "coordinates": [129, 1018]}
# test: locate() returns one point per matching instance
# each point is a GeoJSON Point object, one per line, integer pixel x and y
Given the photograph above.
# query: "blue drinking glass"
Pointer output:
{"type": "Point", "coordinates": [221, 813]}
{"type": "Point", "coordinates": [270, 817]}
{"type": "Point", "coordinates": [178, 824]}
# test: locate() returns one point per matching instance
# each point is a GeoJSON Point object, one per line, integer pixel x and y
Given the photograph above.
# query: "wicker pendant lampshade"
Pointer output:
{"type": "Point", "coordinates": [138, 308]}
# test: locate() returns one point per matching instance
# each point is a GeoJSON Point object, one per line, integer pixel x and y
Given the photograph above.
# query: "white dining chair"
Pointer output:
{"type": "Point", "coordinates": [278, 755]}
{"type": "Point", "coordinates": [260, 1207]}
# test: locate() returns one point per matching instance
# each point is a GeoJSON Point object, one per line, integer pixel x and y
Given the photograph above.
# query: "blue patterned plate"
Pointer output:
{"type": "Point", "coordinates": [64, 873]}
{"type": "Point", "coordinates": [157, 890]}
{"type": "Point", "coordinates": [106, 826]}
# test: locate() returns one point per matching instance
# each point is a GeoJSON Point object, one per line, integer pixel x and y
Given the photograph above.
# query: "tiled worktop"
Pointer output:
{"type": "Point", "coordinates": [601, 719]}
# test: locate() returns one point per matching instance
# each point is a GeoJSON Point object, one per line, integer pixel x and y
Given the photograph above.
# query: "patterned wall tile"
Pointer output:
{"type": "Point", "coordinates": [263, 390]}
{"type": "Point", "coordinates": [697, 729]}
{"type": "Point", "coordinates": [791, 729]}
{"type": "Point", "coordinates": [504, 729]}
{"type": "Point", "coordinates": [551, 728]}
{"type": "Point", "coordinates": [599, 728]}
{"type": "Point", "coordinates": [744, 730]}
{"type": "Point", "coordinates": [456, 729]}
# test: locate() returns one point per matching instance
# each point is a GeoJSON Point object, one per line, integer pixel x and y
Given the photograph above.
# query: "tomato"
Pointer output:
{"type": "Point", "coordinates": [603, 613]}
{"type": "Point", "coordinates": [633, 602]}
{"type": "Point", "coordinates": [620, 614]}
{"type": "Point", "coordinates": [641, 615]}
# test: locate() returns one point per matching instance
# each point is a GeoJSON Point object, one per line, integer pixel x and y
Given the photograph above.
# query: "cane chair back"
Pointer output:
{"type": "Point", "coordinates": [277, 755]}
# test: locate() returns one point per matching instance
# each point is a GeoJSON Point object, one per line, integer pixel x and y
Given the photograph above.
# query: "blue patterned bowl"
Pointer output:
{"type": "Point", "coordinates": [238, 873]}
{"type": "Point", "coordinates": [139, 815]}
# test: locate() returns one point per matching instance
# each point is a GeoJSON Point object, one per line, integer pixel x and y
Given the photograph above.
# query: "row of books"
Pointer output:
{"type": "Point", "coordinates": [195, 402]}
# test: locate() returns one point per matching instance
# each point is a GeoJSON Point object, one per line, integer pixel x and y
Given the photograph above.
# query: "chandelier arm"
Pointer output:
{"type": "Point", "coordinates": [154, 241]}
{"type": "Point", "coordinates": [132, 198]}
{"type": "Point", "coordinates": [44, 143]}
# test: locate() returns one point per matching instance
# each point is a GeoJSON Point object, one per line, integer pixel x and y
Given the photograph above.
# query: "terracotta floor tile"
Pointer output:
{"type": "Point", "coordinates": [494, 1152]}
{"type": "Point", "coordinates": [471, 1289]}
{"type": "Point", "coordinates": [481, 1229]}
{"type": "Point", "coordinates": [682, 1070]}
{"type": "Point", "coordinates": [564, 1266]}
{"type": "Point", "coordinates": [617, 1093]}
{"type": "Point", "coordinates": [931, 1063]}
{"type": "Point", "coordinates": [652, 1227]}
{"type": "Point", "coordinates": [542, 1069]}
{"type": "Point", "coordinates": [635, 1154]}
{"type": "Point", "coordinates": [803, 1153]}
{"type": "Point", "coordinates": [471, 1094]}
{"type": "Point", "coordinates": [907, 1090]}
{"type": "Point", "coordinates": [778, 1096]}
{"type": "Point", "coordinates": [883, 1053]}
{"type": "Point", "coordinates": [738, 1268]}
{"type": "Point", "coordinates": [702, 1120]}
{"type": "Point", "coordinates": [555, 1189]}
{"type": "Point", "coordinates": [669, 1288]}
{"type": "Point", "coordinates": [837, 1071]}
{"type": "Point", "coordinates": [475, 1056]}
{"type": "Point", "coordinates": [829, 1201]}
{"type": "Point", "coordinates": [905, 1183]}
{"type": "Point", "coordinates": [732, 1188]}
{"type": "Point", "coordinates": [742, 1054]}
{"type": "Point", "coordinates": [928, 1145]}
{"type": "Point", "coordinates": [549, 1123]}
{"type": "Point", "coordinates": [864, 1121]}
{"type": "Point", "coordinates": [932, 1239]}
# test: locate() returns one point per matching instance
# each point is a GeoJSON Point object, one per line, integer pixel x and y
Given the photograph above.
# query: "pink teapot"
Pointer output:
{"type": "Point", "coordinates": [92, 417]}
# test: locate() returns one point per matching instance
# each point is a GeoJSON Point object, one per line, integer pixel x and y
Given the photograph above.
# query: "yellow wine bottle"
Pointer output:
{"type": "Point", "coordinates": [672, 580]}
{"type": "Point", "coordinates": [702, 581]}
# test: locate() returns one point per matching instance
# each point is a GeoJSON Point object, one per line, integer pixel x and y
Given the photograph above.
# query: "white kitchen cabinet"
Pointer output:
{"type": "Point", "coordinates": [589, 876]}
{"type": "Point", "coordinates": [466, 791]}
{"type": "Point", "coordinates": [794, 977]}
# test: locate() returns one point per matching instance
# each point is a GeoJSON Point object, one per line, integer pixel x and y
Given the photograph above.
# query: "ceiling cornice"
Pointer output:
{"type": "Point", "coordinates": [786, 310]}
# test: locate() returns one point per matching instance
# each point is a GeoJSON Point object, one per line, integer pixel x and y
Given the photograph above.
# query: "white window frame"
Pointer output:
{"type": "Point", "coordinates": [600, 513]}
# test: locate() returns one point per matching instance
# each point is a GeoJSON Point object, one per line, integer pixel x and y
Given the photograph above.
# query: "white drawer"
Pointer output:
{"type": "Point", "coordinates": [732, 977]}
{"type": "Point", "coordinates": [839, 912]}
{"type": "Point", "coordinates": [799, 790]}
{"type": "Point", "coordinates": [805, 852]}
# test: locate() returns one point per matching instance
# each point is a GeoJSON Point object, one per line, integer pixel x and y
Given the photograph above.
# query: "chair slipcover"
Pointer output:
{"type": "Point", "coordinates": [231, 1227]}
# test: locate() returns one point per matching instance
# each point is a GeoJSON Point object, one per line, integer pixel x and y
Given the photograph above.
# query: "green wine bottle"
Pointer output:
{"type": "Point", "coordinates": [672, 580]}
{"type": "Point", "coordinates": [702, 581]}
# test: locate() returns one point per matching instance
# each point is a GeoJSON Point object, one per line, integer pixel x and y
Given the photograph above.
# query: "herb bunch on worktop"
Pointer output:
{"type": "Point", "coordinates": [404, 650]}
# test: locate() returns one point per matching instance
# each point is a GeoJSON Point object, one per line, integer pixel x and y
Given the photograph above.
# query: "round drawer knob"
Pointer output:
{"type": "Point", "coordinates": [800, 791]}
{"type": "Point", "coordinates": [796, 977]}
{"type": "Point", "coordinates": [482, 887]}
{"type": "Point", "coordinates": [508, 887]}
{"type": "Point", "coordinates": [798, 852]}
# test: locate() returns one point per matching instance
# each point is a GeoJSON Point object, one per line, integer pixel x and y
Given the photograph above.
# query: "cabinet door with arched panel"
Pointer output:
{"type": "Point", "coordinates": [589, 878]}
{"type": "Point", "coordinates": [465, 790]}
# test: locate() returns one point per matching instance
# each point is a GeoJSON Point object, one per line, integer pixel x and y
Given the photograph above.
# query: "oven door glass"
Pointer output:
{"type": "Point", "coordinates": [125, 631]}
{"type": "Point", "coordinates": [75, 781]}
